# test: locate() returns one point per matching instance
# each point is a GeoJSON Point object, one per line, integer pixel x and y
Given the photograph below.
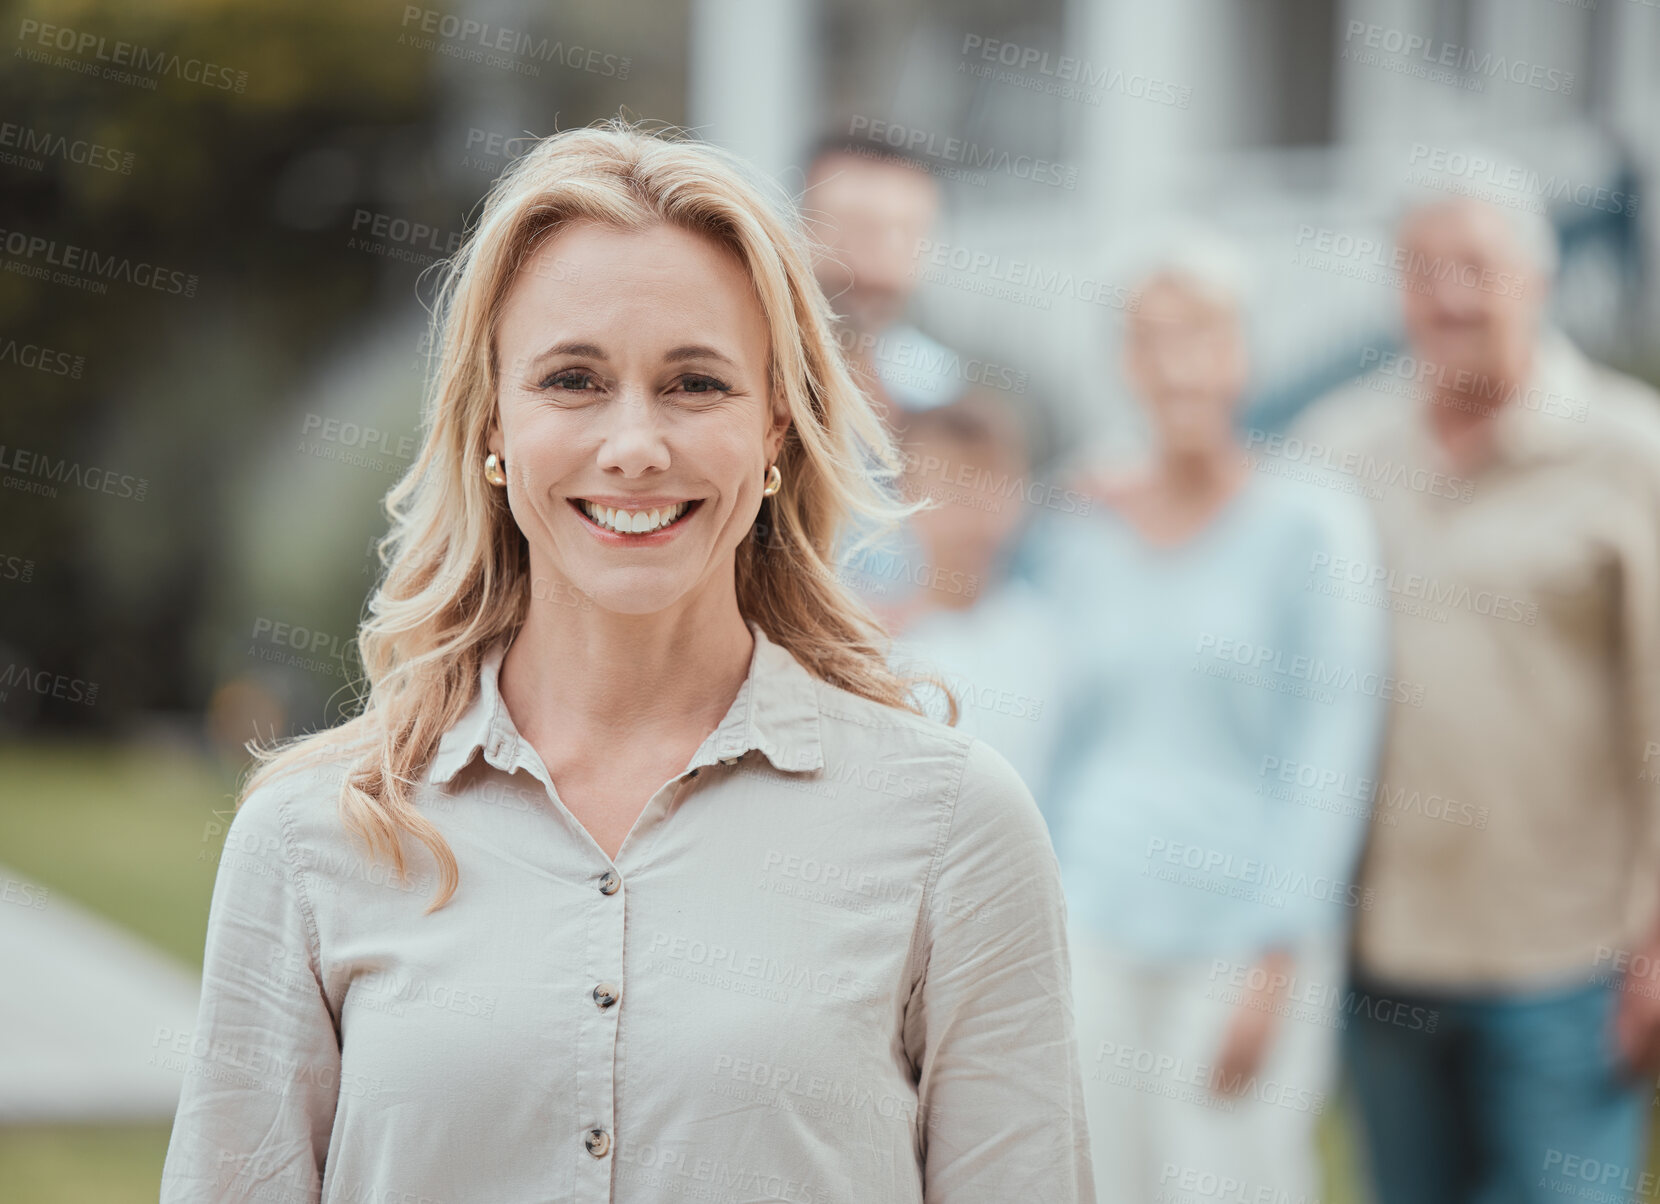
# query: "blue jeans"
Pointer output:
{"type": "Point", "coordinates": [1498, 1098]}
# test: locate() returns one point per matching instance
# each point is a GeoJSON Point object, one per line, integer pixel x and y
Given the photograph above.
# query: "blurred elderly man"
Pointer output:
{"type": "Point", "coordinates": [1512, 860]}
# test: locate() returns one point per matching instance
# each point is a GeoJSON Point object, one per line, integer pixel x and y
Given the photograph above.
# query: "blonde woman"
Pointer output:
{"type": "Point", "coordinates": [639, 876]}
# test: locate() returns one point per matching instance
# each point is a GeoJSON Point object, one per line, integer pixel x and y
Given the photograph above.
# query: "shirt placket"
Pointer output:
{"type": "Point", "coordinates": [598, 995]}
{"type": "Point", "coordinates": [608, 947]}
{"type": "Point", "coordinates": [726, 747]}
{"type": "Point", "coordinates": [593, 998]}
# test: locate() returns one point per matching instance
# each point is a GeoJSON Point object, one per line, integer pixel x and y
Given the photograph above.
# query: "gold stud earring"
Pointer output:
{"type": "Point", "coordinates": [775, 481]}
{"type": "Point", "coordinates": [495, 470]}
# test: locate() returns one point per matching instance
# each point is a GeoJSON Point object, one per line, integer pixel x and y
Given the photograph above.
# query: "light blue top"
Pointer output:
{"type": "Point", "coordinates": [890, 570]}
{"type": "Point", "coordinates": [1214, 779]}
{"type": "Point", "coordinates": [916, 369]}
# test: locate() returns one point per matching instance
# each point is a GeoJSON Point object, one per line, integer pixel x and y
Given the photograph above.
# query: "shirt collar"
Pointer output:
{"type": "Point", "coordinates": [776, 712]}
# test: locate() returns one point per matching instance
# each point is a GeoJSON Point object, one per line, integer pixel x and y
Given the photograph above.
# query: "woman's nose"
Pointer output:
{"type": "Point", "coordinates": [632, 435]}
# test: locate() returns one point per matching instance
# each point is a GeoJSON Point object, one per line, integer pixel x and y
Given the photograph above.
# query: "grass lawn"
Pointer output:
{"type": "Point", "coordinates": [120, 831]}
{"type": "Point", "coordinates": [82, 1164]}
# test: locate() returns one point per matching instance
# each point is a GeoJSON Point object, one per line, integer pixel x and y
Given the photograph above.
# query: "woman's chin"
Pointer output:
{"type": "Point", "coordinates": [633, 591]}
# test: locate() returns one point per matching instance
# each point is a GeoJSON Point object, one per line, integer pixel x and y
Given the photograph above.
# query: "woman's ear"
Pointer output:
{"type": "Point", "coordinates": [776, 432]}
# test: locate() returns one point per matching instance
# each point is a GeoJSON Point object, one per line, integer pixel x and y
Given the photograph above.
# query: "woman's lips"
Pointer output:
{"type": "Point", "coordinates": [636, 523]}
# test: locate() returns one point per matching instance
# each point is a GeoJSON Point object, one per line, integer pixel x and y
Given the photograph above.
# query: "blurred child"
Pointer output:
{"type": "Point", "coordinates": [989, 636]}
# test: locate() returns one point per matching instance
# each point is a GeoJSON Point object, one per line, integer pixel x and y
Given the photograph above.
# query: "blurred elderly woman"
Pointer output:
{"type": "Point", "coordinates": [1210, 801]}
{"type": "Point", "coordinates": [716, 910]}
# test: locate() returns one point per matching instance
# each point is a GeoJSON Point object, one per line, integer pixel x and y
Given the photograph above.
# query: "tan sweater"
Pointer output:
{"type": "Point", "coordinates": [1513, 836]}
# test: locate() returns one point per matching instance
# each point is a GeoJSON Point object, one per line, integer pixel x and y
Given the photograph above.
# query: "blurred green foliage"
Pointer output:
{"type": "Point", "coordinates": [253, 192]}
{"type": "Point", "coordinates": [206, 164]}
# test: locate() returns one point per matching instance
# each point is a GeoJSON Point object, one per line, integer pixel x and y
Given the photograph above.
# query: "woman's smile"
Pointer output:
{"type": "Point", "coordinates": [634, 523]}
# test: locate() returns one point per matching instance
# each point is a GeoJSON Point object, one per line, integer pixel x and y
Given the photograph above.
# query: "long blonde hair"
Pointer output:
{"type": "Point", "coordinates": [455, 568]}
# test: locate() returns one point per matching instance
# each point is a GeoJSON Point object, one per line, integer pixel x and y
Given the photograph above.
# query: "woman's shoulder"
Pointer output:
{"type": "Point", "coordinates": [993, 790]}
{"type": "Point", "coordinates": [294, 802]}
{"type": "Point", "coordinates": [997, 861]}
{"type": "Point", "coordinates": [858, 724]}
{"type": "Point", "coordinates": [874, 741]}
{"type": "Point", "coordinates": [968, 772]}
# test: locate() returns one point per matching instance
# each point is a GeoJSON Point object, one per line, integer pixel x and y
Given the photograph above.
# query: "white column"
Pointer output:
{"type": "Point", "coordinates": [1375, 106]}
{"type": "Point", "coordinates": [1549, 37]}
{"type": "Point", "coordinates": [1131, 151]}
{"type": "Point", "coordinates": [753, 79]}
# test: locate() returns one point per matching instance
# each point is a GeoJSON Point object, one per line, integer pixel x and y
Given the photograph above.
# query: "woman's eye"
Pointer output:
{"type": "Point", "coordinates": [569, 379]}
{"type": "Point", "coordinates": [704, 384]}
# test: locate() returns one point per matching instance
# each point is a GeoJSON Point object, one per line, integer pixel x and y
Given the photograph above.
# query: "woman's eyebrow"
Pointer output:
{"type": "Point", "coordinates": [696, 351]}
{"type": "Point", "coordinates": [690, 351]}
{"type": "Point", "coordinates": [588, 350]}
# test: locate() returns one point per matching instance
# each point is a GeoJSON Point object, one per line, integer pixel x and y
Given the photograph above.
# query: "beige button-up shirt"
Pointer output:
{"type": "Point", "coordinates": [1514, 837]}
{"type": "Point", "coordinates": [827, 966]}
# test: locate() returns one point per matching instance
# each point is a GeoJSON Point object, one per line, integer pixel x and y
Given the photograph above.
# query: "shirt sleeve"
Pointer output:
{"type": "Point", "coordinates": [262, 1065]}
{"type": "Point", "coordinates": [1330, 750]}
{"type": "Point", "coordinates": [1000, 1107]}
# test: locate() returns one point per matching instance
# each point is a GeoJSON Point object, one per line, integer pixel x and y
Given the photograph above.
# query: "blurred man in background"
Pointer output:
{"type": "Point", "coordinates": [870, 208]}
{"type": "Point", "coordinates": [992, 638]}
{"type": "Point", "coordinates": [1206, 812]}
{"type": "Point", "coordinates": [1512, 864]}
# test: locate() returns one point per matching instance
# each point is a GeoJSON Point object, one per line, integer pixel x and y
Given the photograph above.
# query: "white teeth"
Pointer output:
{"type": "Point", "coordinates": [635, 522]}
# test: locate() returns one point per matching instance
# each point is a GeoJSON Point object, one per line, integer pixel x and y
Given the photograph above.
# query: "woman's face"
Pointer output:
{"type": "Point", "coordinates": [633, 398]}
{"type": "Point", "coordinates": [1472, 301]}
{"type": "Point", "coordinates": [1185, 357]}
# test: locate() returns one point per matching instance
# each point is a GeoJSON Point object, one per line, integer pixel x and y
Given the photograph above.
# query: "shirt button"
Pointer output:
{"type": "Point", "coordinates": [610, 882]}
{"type": "Point", "coordinates": [598, 1142]}
{"type": "Point", "coordinates": [606, 994]}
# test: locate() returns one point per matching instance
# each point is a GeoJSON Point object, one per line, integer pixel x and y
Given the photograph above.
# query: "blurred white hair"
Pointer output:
{"type": "Point", "coordinates": [1524, 214]}
{"type": "Point", "coordinates": [1199, 256]}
